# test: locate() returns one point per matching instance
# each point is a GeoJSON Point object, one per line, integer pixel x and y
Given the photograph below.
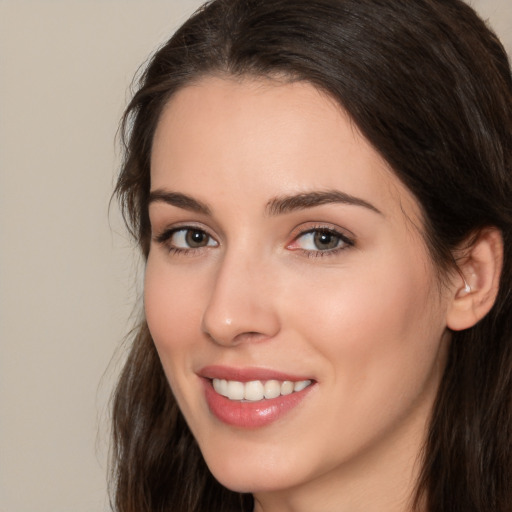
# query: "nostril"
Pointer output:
{"type": "Point", "coordinates": [243, 337]}
{"type": "Point", "coordinates": [250, 336]}
{"type": "Point", "coordinates": [232, 317]}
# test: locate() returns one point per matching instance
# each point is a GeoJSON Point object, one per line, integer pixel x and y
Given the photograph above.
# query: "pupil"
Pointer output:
{"type": "Point", "coordinates": [325, 240]}
{"type": "Point", "coordinates": [196, 238]}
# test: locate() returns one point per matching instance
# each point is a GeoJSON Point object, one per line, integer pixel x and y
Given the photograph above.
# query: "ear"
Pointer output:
{"type": "Point", "coordinates": [476, 286]}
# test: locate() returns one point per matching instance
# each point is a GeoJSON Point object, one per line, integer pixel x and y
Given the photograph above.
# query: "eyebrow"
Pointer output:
{"type": "Point", "coordinates": [179, 200]}
{"type": "Point", "coordinates": [288, 204]}
{"type": "Point", "coordinates": [276, 206]}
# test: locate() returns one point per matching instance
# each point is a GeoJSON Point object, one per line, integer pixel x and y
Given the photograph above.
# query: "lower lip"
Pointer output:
{"type": "Point", "coordinates": [251, 414]}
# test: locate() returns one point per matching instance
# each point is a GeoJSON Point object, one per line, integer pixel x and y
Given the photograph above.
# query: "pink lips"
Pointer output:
{"type": "Point", "coordinates": [249, 414]}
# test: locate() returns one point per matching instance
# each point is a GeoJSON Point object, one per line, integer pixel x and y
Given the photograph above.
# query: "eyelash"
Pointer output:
{"type": "Point", "coordinates": [164, 238]}
{"type": "Point", "coordinates": [346, 242]}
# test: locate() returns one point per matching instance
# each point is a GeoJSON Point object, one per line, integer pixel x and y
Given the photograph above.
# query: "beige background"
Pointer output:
{"type": "Point", "coordinates": [68, 276]}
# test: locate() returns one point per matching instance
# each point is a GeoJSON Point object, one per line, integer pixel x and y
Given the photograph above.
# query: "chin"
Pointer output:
{"type": "Point", "coordinates": [255, 477]}
{"type": "Point", "coordinates": [251, 484]}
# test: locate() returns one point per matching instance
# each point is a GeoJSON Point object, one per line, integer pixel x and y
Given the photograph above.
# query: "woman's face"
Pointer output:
{"type": "Point", "coordinates": [286, 263]}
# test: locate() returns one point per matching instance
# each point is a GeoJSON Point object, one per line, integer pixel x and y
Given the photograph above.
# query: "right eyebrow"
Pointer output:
{"type": "Point", "coordinates": [179, 200]}
{"type": "Point", "coordinates": [287, 204]}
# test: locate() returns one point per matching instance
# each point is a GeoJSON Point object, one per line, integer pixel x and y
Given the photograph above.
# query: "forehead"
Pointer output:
{"type": "Point", "coordinates": [252, 139]}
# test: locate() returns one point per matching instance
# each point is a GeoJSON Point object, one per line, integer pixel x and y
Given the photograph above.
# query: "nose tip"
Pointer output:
{"type": "Point", "coordinates": [241, 309]}
{"type": "Point", "coordinates": [243, 323]}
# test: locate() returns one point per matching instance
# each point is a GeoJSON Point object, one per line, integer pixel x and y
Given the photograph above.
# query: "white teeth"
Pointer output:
{"type": "Point", "coordinates": [221, 386]}
{"type": "Point", "coordinates": [257, 390]}
{"type": "Point", "coordinates": [287, 387]}
{"type": "Point", "coordinates": [253, 391]}
{"type": "Point", "coordinates": [299, 386]}
{"type": "Point", "coordinates": [272, 389]}
{"type": "Point", "coordinates": [235, 390]}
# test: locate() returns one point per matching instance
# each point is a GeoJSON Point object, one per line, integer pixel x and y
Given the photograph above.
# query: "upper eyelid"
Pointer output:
{"type": "Point", "coordinates": [169, 229]}
{"type": "Point", "coordinates": [343, 238]}
{"type": "Point", "coordinates": [321, 226]}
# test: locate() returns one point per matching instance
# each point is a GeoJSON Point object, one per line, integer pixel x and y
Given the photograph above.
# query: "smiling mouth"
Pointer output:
{"type": "Point", "coordinates": [257, 390]}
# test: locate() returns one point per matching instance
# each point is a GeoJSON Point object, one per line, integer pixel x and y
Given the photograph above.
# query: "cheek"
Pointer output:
{"type": "Point", "coordinates": [353, 306]}
{"type": "Point", "coordinates": [172, 307]}
{"type": "Point", "coordinates": [173, 314]}
{"type": "Point", "coordinates": [378, 331]}
{"type": "Point", "coordinates": [381, 346]}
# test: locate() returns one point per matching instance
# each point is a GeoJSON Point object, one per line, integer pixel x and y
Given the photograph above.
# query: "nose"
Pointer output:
{"type": "Point", "coordinates": [242, 304]}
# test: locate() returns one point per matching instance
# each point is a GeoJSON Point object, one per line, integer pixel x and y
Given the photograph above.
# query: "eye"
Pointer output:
{"type": "Point", "coordinates": [321, 240]}
{"type": "Point", "coordinates": [191, 239]}
{"type": "Point", "coordinates": [186, 238]}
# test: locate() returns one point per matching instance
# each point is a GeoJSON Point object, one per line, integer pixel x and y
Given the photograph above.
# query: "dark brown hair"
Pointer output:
{"type": "Point", "coordinates": [429, 85]}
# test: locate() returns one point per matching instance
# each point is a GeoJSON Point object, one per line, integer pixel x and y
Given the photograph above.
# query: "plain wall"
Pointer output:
{"type": "Point", "coordinates": [68, 274]}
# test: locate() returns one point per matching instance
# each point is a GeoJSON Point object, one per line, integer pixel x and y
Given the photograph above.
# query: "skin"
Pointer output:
{"type": "Point", "coordinates": [366, 320]}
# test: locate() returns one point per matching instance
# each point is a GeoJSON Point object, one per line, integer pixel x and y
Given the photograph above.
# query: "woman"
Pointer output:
{"type": "Point", "coordinates": [321, 189]}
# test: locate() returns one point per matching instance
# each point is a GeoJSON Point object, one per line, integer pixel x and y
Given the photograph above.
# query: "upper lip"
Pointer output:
{"type": "Point", "coordinates": [247, 374]}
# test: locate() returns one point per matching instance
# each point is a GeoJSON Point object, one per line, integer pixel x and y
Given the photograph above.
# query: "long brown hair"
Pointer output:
{"type": "Point", "coordinates": [429, 85]}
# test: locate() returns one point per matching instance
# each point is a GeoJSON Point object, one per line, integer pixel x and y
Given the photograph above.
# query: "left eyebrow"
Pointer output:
{"type": "Point", "coordinates": [179, 200]}
{"type": "Point", "coordinates": [288, 204]}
